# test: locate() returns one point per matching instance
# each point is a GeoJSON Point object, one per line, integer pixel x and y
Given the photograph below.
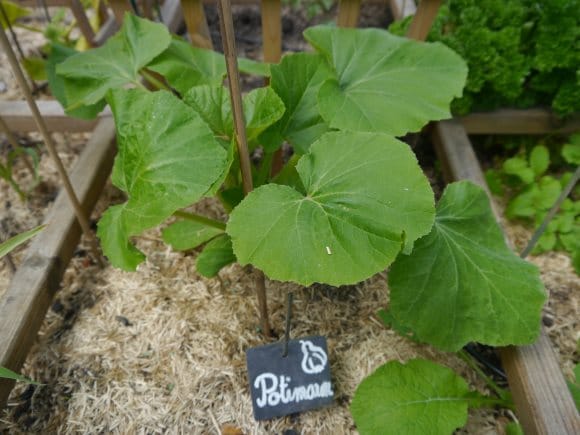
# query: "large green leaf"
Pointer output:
{"type": "Point", "coordinates": [419, 397]}
{"type": "Point", "coordinates": [89, 75]}
{"type": "Point", "coordinates": [297, 80]}
{"type": "Point", "coordinates": [12, 243]}
{"type": "Point", "coordinates": [184, 235]}
{"type": "Point", "coordinates": [185, 66]}
{"type": "Point", "coordinates": [365, 196]}
{"type": "Point", "coordinates": [215, 255]}
{"type": "Point", "coordinates": [461, 283]}
{"type": "Point", "coordinates": [383, 82]}
{"type": "Point", "coordinates": [13, 12]}
{"type": "Point", "coordinates": [58, 54]}
{"type": "Point", "coordinates": [168, 158]}
{"type": "Point", "coordinates": [262, 108]}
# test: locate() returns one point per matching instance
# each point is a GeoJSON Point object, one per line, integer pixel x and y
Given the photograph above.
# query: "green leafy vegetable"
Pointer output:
{"type": "Point", "coordinates": [384, 83]}
{"type": "Point", "coordinates": [297, 80]}
{"type": "Point", "coordinates": [539, 159]}
{"type": "Point", "coordinates": [461, 283]}
{"type": "Point", "coordinates": [571, 150]}
{"type": "Point", "coordinates": [184, 235]}
{"type": "Point", "coordinates": [419, 397]}
{"type": "Point", "coordinates": [185, 66]}
{"type": "Point", "coordinates": [90, 75]}
{"type": "Point", "coordinates": [262, 107]}
{"type": "Point", "coordinates": [160, 140]}
{"type": "Point", "coordinates": [346, 225]}
{"type": "Point", "coordinates": [518, 52]}
{"type": "Point", "coordinates": [215, 255]}
{"type": "Point", "coordinates": [58, 54]}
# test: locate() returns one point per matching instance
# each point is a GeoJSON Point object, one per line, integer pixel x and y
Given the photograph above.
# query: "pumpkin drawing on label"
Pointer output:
{"type": "Point", "coordinates": [314, 358]}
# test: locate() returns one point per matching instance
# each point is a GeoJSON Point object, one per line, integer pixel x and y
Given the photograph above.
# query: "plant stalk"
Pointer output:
{"type": "Point", "coordinates": [200, 219]}
{"type": "Point", "coordinates": [229, 46]}
{"type": "Point", "coordinates": [488, 381]}
{"type": "Point", "coordinates": [12, 141]}
{"type": "Point", "coordinates": [154, 80]}
{"type": "Point", "coordinates": [79, 212]}
{"type": "Point", "coordinates": [542, 228]}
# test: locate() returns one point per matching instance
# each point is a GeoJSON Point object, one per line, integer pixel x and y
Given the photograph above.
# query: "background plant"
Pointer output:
{"type": "Point", "coordinates": [520, 53]}
{"type": "Point", "coordinates": [531, 190]}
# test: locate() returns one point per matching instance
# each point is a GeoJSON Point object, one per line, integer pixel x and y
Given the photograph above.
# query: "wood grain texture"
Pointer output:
{"type": "Point", "coordinates": [543, 403]}
{"type": "Point", "coordinates": [196, 23]}
{"type": "Point", "coordinates": [19, 118]}
{"type": "Point", "coordinates": [348, 13]}
{"type": "Point", "coordinates": [423, 19]}
{"type": "Point", "coordinates": [512, 121]}
{"type": "Point", "coordinates": [24, 305]}
{"type": "Point", "coordinates": [271, 30]}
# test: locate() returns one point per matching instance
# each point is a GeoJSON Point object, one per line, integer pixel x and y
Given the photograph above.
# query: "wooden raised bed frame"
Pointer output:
{"type": "Point", "coordinates": [543, 403]}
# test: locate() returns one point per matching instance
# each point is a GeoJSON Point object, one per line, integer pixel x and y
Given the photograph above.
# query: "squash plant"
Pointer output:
{"type": "Point", "coordinates": [350, 201]}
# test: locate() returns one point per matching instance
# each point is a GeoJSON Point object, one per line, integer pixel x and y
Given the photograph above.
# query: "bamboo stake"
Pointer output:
{"type": "Point", "coordinates": [229, 45]}
{"type": "Point", "coordinates": [83, 220]}
{"type": "Point", "coordinates": [82, 21]}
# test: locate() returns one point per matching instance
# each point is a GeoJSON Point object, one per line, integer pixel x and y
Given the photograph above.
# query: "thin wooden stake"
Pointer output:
{"type": "Point", "coordinates": [423, 19]}
{"type": "Point", "coordinates": [229, 45]}
{"type": "Point", "coordinates": [83, 220]}
{"type": "Point", "coordinates": [83, 22]}
{"type": "Point", "coordinates": [348, 13]}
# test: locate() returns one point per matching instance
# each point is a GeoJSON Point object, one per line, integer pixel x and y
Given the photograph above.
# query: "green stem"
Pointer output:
{"type": "Point", "coordinates": [489, 382]}
{"type": "Point", "coordinates": [140, 85]}
{"type": "Point", "coordinates": [481, 402]}
{"type": "Point", "coordinates": [153, 80]}
{"type": "Point", "coordinates": [200, 219]}
{"type": "Point", "coordinates": [264, 172]}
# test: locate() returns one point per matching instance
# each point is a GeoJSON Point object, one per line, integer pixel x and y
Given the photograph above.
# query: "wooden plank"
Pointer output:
{"type": "Point", "coordinates": [402, 8]}
{"type": "Point", "coordinates": [271, 30]}
{"type": "Point", "coordinates": [543, 403]}
{"type": "Point", "coordinates": [30, 293]}
{"type": "Point", "coordinates": [512, 121]}
{"type": "Point", "coordinates": [542, 400]}
{"type": "Point", "coordinates": [348, 13]}
{"type": "Point", "coordinates": [19, 118]}
{"type": "Point", "coordinates": [423, 19]}
{"type": "Point", "coordinates": [196, 23]}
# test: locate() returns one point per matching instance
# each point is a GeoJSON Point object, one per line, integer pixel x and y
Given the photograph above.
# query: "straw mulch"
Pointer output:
{"type": "Point", "coordinates": [162, 350]}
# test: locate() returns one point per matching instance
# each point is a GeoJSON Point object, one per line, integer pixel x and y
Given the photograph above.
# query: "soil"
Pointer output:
{"type": "Point", "coordinates": [162, 350]}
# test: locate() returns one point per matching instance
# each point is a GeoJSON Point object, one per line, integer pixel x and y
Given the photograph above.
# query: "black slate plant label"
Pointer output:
{"type": "Point", "coordinates": [286, 385]}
